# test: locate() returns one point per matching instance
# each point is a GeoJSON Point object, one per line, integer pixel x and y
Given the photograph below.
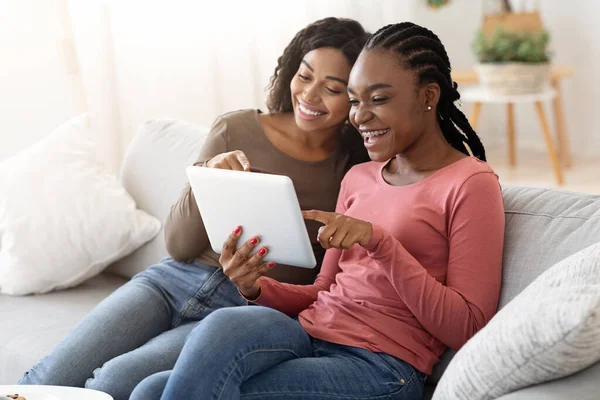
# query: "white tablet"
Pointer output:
{"type": "Point", "coordinates": [265, 205]}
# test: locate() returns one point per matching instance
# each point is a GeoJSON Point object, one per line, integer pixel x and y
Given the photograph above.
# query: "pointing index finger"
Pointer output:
{"type": "Point", "coordinates": [323, 217]}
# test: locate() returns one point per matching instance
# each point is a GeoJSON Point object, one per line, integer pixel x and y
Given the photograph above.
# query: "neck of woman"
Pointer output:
{"type": "Point", "coordinates": [430, 152]}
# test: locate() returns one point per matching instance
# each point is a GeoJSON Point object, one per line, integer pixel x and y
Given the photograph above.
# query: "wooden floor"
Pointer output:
{"type": "Point", "coordinates": [535, 170]}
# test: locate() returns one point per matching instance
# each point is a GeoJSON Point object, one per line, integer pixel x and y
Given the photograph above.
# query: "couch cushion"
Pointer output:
{"type": "Point", "coordinates": [64, 217]}
{"type": "Point", "coordinates": [543, 226]}
{"type": "Point", "coordinates": [33, 325]}
{"type": "Point", "coordinates": [583, 385]}
{"type": "Point", "coordinates": [153, 173]}
{"type": "Point", "coordinates": [549, 331]}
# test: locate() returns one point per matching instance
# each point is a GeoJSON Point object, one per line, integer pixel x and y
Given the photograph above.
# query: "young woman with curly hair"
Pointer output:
{"type": "Point", "coordinates": [141, 328]}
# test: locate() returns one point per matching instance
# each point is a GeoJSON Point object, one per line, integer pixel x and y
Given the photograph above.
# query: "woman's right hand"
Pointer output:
{"type": "Point", "coordinates": [242, 268]}
{"type": "Point", "coordinates": [233, 160]}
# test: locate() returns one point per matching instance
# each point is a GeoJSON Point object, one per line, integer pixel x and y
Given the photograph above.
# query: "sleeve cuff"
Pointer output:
{"type": "Point", "coordinates": [376, 237]}
{"type": "Point", "coordinates": [251, 300]}
{"type": "Point", "coordinates": [264, 296]}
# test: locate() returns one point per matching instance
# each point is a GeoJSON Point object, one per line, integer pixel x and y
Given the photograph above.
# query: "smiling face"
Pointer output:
{"type": "Point", "coordinates": [388, 107]}
{"type": "Point", "coordinates": [318, 89]}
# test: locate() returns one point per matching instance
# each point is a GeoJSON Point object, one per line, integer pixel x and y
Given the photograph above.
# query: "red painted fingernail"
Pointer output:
{"type": "Point", "coordinates": [253, 241]}
{"type": "Point", "coordinates": [271, 264]}
{"type": "Point", "coordinates": [262, 251]}
{"type": "Point", "coordinates": [237, 230]}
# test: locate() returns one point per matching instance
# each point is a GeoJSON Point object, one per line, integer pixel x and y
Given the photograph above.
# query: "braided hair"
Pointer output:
{"type": "Point", "coordinates": [420, 50]}
{"type": "Point", "coordinates": [346, 35]}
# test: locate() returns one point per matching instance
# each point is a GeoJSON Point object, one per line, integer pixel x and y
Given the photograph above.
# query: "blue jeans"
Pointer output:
{"type": "Point", "coordinates": [138, 330]}
{"type": "Point", "coordinates": [260, 353]}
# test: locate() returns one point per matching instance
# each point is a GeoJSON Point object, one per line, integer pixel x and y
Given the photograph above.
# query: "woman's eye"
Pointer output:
{"type": "Point", "coordinates": [303, 77]}
{"type": "Point", "coordinates": [379, 99]}
{"type": "Point", "coordinates": [353, 102]}
{"type": "Point", "coordinates": [333, 90]}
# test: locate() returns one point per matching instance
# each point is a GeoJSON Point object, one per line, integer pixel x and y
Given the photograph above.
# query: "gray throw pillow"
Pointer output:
{"type": "Point", "coordinates": [550, 330]}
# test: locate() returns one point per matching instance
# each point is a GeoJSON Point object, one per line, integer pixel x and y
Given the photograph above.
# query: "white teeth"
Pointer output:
{"type": "Point", "coordinates": [309, 112]}
{"type": "Point", "coordinates": [370, 134]}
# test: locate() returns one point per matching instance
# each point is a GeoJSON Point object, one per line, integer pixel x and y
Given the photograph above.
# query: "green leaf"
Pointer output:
{"type": "Point", "coordinates": [511, 46]}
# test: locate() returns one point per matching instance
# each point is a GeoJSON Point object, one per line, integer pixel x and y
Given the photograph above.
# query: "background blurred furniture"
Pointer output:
{"type": "Point", "coordinates": [478, 96]}
{"type": "Point", "coordinates": [558, 72]}
{"type": "Point", "coordinates": [53, 392]}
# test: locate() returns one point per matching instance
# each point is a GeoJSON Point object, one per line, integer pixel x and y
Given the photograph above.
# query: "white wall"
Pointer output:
{"type": "Point", "coordinates": [36, 92]}
{"type": "Point", "coordinates": [193, 60]}
{"type": "Point", "coordinates": [575, 41]}
{"type": "Point", "coordinates": [126, 61]}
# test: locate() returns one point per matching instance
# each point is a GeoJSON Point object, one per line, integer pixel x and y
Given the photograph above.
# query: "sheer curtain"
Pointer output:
{"type": "Point", "coordinates": [38, 88]}
{"type": "Point", "coordinates": [188, 59]}
{"type": "Point", "coordinates": [127, 61]}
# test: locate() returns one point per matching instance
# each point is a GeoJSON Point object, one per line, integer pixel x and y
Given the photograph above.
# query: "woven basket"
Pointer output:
{"type": "Point", "coordinates": [529, 22]}
{"type": "Point", "coordinates": [514, 78]}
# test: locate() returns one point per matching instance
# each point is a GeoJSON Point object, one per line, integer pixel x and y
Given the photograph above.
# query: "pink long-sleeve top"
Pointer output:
{"type": "Point", "coordinates": [428, 278]}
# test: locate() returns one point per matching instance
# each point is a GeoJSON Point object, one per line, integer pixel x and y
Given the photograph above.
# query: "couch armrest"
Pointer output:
{"type": "Point", "coordinates": [153, 173]}
{"type": "Point", "coordinates": [584, 385]}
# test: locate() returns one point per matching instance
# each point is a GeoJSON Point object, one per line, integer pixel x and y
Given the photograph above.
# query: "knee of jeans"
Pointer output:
{"type": "Point", "coordinates": [228, 318]}
{"type": "Point", "coordinates": [28, 379]}
{"type": "Point", "coordinates": [99, 380]}
{"type": "Point", "coordinates": [235, 323]}
{"type": "Point", "coordinates": [39, 375]}
{"type": "Point", "coordinates": [224, 322]}
{"type": "Point", "coordinates": [106, 379]}
{"type": "Point", "coordinates": [152, 387]}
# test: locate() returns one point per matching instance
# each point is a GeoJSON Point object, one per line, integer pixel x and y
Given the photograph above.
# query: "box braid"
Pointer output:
{"type": "Point", "coordinates": [422, 51]}
{"type": "Point", "coordinates": [346, 35]}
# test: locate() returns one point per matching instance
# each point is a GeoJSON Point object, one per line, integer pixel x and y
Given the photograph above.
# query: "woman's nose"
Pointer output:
{"type": "Point", "coordinates": [310, 94]}
{"type": "Point", "coordinates": [362, 115]}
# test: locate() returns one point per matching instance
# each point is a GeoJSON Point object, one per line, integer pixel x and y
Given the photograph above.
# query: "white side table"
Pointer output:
{"type": "Point", "coordinates": [479, 96]}
{"type": "Point", "coordinates": [40, 392]}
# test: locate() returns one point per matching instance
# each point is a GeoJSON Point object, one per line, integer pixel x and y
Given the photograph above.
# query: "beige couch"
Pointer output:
{"type": "Point", "coordinates": [542, 227]}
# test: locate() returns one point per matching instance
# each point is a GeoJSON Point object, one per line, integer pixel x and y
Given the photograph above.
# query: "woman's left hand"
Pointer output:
{"type": "Point", "coordinates": [241, 267]}
{"type": "Point", "coordinates": [340, 231]}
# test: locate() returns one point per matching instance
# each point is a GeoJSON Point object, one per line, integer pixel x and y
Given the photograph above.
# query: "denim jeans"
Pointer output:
{"type": "Point", "coordinates": [138, 330]}
{"type": "Point", "coordinates": [260, 353]}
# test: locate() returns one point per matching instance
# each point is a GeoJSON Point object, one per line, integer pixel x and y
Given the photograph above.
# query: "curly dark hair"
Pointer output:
{"type": "Point", "coordinates": [421, 51]}
{"type": "Point", "coordinates": [344, 34]}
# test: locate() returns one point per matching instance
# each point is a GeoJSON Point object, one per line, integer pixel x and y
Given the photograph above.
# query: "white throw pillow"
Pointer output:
{"type": "Point", "coordinates": [549, 331]}
{"type": "Point", "coordinates": [64, 216]}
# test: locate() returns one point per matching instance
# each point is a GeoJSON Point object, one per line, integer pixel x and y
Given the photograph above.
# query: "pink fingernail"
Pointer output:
{"type": "Point", "coordinates": [237, 230]}
{"type": "Point", "coordinates": [271, 264]}
{"type": "Point", "coordinates": [262, 251]}
{"type": "Point", "coordinates": [253, 241]}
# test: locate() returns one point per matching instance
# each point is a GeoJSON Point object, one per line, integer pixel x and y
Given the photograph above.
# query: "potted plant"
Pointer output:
{"type": "Point", "coordinates": [512, 49]}
{"type": "Point", "coordinates": [513, 62]}
{"type": "Point", "coordinates": [436, 4]}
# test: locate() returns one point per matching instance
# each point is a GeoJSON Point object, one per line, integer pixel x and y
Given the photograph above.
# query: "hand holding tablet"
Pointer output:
{"type": "Point", "coordinates": [262, 204]}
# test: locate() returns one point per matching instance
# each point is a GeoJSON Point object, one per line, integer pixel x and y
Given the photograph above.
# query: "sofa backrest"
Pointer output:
{"type": "Point", "coordinates": [153, 172]}
{"type": "Point", "coordinates": [543, 226]}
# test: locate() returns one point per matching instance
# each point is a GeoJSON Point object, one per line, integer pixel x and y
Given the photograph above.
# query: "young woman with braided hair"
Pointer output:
{"type": "Point", "coordinates": [140, 329]}
{"type": "Point", "coordinates": [413, 264]}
